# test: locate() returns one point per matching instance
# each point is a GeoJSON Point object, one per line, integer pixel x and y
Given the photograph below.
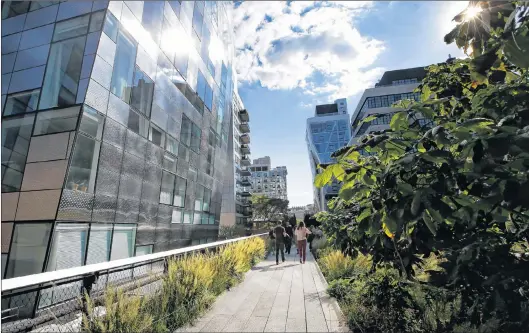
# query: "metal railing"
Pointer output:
{"type": "Point", "coordinates": [55, 302]}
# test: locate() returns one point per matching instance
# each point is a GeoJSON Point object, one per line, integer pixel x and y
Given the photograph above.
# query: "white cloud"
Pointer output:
{"type": "Point", "coordinates": [286, 46]}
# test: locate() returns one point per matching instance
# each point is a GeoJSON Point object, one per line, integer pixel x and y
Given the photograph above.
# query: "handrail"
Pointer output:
{"type": "Point", "coordinates": [62, 274]}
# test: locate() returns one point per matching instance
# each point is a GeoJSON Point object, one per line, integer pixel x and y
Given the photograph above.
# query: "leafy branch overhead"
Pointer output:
{"type": "Point", "coordinates": [460, 186]}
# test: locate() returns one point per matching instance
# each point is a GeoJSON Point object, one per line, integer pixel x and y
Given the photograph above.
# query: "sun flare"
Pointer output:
{"type": "Point", "coordinates": [472, 12]}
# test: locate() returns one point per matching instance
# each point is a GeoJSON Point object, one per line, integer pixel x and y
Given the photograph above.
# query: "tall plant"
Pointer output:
{"type": "Point", "coordinates": [461, 186]}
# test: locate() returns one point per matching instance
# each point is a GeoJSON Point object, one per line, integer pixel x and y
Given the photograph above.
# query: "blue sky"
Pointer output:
{"type": "Point", "coordinates": [292, 56]}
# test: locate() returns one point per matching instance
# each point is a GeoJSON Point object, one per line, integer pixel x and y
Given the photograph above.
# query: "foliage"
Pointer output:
{"type": "Point", "coordinates": [335, 265]}
{"type": "Point", "coordinates": [268, 209]}
{"type": "Point", "coordinates": [232, 231]}
{"type": "Point", "coordinates": [122, 313]}
{"type": "Point", "coordinates": [187, 290]}
{"type": "Point", "coordinates": [310, 221]}
{"type": "Point", "coordinates": [457, 188]}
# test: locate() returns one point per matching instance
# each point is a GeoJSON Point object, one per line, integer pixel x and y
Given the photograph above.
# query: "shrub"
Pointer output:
{"type": "Point", "coordinates": [335, 265]}
{"type": "Point", "coordinates": [186, 291]}
{"type": "Point", "coordinates": [122, 313]}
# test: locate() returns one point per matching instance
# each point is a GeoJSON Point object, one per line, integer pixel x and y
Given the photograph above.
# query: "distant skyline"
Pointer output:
{"type": "Point", "coordinates": [294, 55]}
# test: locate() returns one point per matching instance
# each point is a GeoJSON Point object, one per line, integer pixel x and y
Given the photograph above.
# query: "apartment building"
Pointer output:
{"type": "Point", "coordinates": [268, 181]}
{"type": "Point", "coordinates": [236, 191]}
{"type": "Point", "coordinates": [116, 119]}
{"type": "Point", "coordinates": [394, 86]}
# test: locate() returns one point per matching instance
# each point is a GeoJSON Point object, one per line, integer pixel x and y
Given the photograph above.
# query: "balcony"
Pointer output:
{"type": "Point", "coordinates": [247, 212]}
{"type": "Point", "coordinates": [245, 193]}
{"type": "Point", "coordinates": [244, 128]}
{"type": "Point", "coordinates": [246, 173]}
{"type": "Point", "coordinates": [245, 138]}
{"type": "Point", "coordinates": [245, 149]}
{"type": "Point", "coordinates": [245, 161]}
{"type": "Point", "coordinates": [244, 116]}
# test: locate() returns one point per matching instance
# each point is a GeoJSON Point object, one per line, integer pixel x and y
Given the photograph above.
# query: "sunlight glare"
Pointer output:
{"type": "Point", "coordinates": [472, 12]}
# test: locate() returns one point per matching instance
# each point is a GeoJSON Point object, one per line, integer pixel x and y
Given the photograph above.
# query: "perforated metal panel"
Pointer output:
{"type": "Point", "coordinates": [135, 144]}
{"type": "Point", "coordinates": [127, 211]}
{"type": "Point", "coordinates": [154, 154]}
{"type": "Point", "coordinates": [75, 206]}
{"type": "Point", "coordinates": [104, 208]}
{"type": "Point", "coordinates": [164, 214]}
{"type": "Point", "coordinates": [148, 213]}
{"type": "Point", "coordinates": [107, 182]}
{"type": "Point", "coordinates": [110, 158]}
{"type": "Point", "coordinates": [114, 133]}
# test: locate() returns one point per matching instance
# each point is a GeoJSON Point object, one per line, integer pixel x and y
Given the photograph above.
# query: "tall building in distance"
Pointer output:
{"type": "Point", "coordinates": [328, 131]}
{"type": "Point", "coordinates": [393, 86]}
{"type": "Point", "coordinates": [268, 181]}
{"type": "Point", "coordinates": [116, 120]}
{"type": "Point", "coordinates": [236, 190]}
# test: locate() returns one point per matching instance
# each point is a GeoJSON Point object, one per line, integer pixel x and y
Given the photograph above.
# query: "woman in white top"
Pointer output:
{"type": "Point", "coordinates": [301, 238]}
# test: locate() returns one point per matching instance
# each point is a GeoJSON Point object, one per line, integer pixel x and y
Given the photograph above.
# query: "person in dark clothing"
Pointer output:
{"type": "Point", "coordinates": [288, 240]}
{"type": "Point", "coordinates": [280, 235]}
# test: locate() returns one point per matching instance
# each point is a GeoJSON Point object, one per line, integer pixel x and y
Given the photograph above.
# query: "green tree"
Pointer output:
{"type": "Point", "coordinates": [459, 187]}
{"type": "Point", "coordinates": [265, 209]}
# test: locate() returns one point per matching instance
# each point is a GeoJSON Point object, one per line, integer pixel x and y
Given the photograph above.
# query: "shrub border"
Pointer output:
{"type": "Point", "coordinates": [334, 302]}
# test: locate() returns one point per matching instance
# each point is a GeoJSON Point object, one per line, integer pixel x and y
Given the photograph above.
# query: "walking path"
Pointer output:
{"type": "Point", "coordinates": [289, 297]}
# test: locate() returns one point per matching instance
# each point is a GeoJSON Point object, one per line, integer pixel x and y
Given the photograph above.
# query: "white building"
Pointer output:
{"type": "Point", "coordinates": [268, 181]}
{"type": "Point", "coordinates": [235, 196]}
{"type": "Point", "coordinates": [301, 211]}
{"type": "Point", "coordinates": [328, 131]}
{"type": "Point", "coordinates": [393, 86]}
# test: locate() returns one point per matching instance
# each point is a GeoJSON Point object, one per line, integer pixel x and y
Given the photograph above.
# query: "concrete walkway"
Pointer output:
{"type": "Point", "coordinates": [287, 298]}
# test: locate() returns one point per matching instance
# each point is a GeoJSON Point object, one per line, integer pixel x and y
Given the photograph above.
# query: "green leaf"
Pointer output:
{"type": "Point", "coordinates": [389, 226]}
{"type": "Point", "coordinates": [368, 180]}
{"type": "Point", "coordinates": [399, 121]}
{"type": "Point", "coordinates": [435, 214]}
{"type": "Point", "coordinates": [517, 50]}
{"type": "Point", "coordinates": [323, 178]}
{"type": "Point", "coordinates": [346, 194]}
{"type": "Point", "coordinates": [405, 188]}
{"type": "Point", "coordinates": [368, 119]}
{"type": "Point", "coordinates": [365, 213]}
{"type": "Point", "coordinates": [476, 123]}
{"type": "Point", "coordinates": [420, 148]}
{"type": "Point", "coordinates": [435, 156]}
{"type": "Point", "coordinates": [429, 222]}
{"type": "Point", "coordinates": [416, 203]}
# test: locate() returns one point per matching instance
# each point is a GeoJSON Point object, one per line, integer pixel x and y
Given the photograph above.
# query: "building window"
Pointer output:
{"type": "Point", "coordinates": [137, 123]}
{"type": "Point", "coordinates": [123, 241]}
{"type": "Point", "coordinates": [74, 27]}
{"type": "Point", "coordinates": [28, 249]}
{"type": "Point", "coordinates": [124, 64]}
{"type": "Point", "coordinates": [68, 248]}
{"type": "Point", "coordinates": [62, 73]}
{"type": "Point", "coordinates": [99, 244]}
{"type": "Point", "coordinates": [83, 166]}
{"type": "Point", "coordinates": [111, 27]}
{"type": "Point", "coordinates": [180, 191]}
{"type": "Point", "coordinates": [168, 183]}
{"type": "Point", "coordinates": [190, 134]}
{"type": "Point", "coordinates": [177, 216]}
{"type": "Point", "coordinates": [152, 18]}
{"type": "Point", "coordinates": [157, 136]}
{"type": "Point", "coordinates": [22, 102]}
{"type": "Point", "coordinates": [92, 123]}
{"type": "Point", "coordinates": [199, 197]}
{"type": "Point", "coordinates": [56, 121]}
{"type": "Point", "coordinates": [142, 92]}
{"type": "Point", "coordinates": [142, 250]}
{"type": "Point", "coordinates": [16, 136]}
{"type": "Point", "coordinates": [14, 8]}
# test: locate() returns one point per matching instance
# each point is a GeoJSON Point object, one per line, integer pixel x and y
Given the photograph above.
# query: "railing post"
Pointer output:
{"type": "Point", "coordinates": [88, 283]}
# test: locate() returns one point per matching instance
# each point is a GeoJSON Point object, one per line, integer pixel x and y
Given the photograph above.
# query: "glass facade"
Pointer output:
{"type": "Point", "coordinates": [133, 101]}
{"type": "Point", "coordinates": [326, 133]}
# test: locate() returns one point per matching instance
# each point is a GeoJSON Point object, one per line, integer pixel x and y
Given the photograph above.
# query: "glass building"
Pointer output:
{"type": "Point", "coordinates": [115, 126]}
{"type": "Point", "coordinates": [328, 131]}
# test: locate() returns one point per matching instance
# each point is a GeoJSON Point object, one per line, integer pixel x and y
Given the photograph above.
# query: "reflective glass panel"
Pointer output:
{"type": "Point", "coordinates": [16, 136]}
{"type": "Point", "coordinates": [63, 73]}
{"type": "Point", "coordinates": [74, 27]}
{"type": "Point", "coordinates": [123, 241]}
{"type": "Point", "coordinates": [22, 102]}
{"type": "Point", "coordinates": [123, 70]}
{"type": "Point", "coordinates": [83, 166]}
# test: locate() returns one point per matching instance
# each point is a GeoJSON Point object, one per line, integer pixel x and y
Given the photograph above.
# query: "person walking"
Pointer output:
{"type": "Point", "coordinates": [288, 241]}
{"type": "Point", "coordinates": [271, 240]}
{"type": "Point", "coordinates": [280, 235]}
{"type": "Point", "coordinates": [301, 237]}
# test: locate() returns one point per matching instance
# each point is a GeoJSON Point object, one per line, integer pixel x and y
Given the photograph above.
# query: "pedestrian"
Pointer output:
{"type": "Point", "coordinates": [288, 241]}
{"type": "Point", "coordinates": [280, 235]}
{"type": "Point", "coordinates": [271, 240]}
{"type": "Point", "coordinates": [301, 237]}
